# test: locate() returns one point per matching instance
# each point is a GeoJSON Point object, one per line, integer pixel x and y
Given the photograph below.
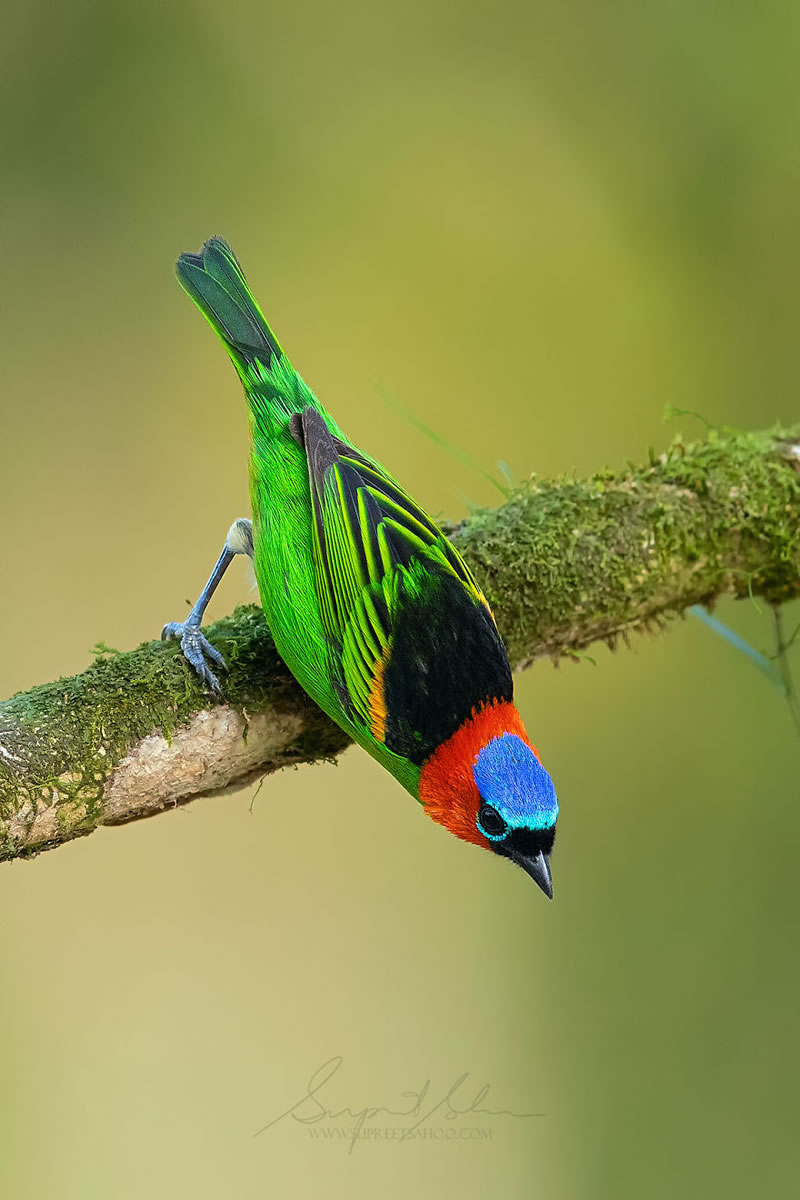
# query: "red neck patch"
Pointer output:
{"type": "Point", "coordinates": [447, 786]}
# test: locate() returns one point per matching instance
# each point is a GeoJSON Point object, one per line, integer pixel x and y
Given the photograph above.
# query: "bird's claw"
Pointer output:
{"type": "Point", "coordinates": [196, 649]}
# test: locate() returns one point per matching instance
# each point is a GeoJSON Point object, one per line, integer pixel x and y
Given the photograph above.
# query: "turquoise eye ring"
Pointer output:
{"type": "Point", "coordinates": [491, 824]}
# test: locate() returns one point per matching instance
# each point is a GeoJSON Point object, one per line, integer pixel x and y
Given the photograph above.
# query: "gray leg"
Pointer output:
{"type": "Point", "coordinates": [195, 646]}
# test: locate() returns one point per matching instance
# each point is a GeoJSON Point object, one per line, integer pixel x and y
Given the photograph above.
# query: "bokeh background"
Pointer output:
{"type": "Point", "coordinates": [533, 225]}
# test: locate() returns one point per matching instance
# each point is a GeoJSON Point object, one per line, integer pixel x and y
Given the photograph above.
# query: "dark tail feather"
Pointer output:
{"type": "Point", "coordinates": [216, 283]}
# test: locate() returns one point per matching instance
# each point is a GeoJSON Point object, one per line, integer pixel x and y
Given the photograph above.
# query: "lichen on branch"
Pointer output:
{"type": "Point", "coordinates": [563, 563]}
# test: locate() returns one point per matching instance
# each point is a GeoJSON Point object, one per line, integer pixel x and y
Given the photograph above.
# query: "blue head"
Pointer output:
{"type": "Point", "coordinates": [519, 810]}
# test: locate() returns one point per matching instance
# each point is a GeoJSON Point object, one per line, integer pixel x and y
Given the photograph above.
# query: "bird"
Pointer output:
{"type": "Point", "coordinates": [371, 607]}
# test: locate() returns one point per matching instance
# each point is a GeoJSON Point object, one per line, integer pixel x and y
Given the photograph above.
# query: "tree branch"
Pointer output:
{"type": "Point", "coordinates": [562, 563]}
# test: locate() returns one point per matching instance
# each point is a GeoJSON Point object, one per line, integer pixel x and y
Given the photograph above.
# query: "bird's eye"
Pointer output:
{"type": "Point", "coordinates": [491, 824]}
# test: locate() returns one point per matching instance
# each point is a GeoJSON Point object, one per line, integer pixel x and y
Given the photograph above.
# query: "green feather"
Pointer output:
{"type": "Point", "coordinates": [332, 538]}
{"type": "Point", "coordinates": [216, 283]}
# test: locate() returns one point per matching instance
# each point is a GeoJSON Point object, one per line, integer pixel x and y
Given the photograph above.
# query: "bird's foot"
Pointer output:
{"type": "Point", "coordinates": [196, 650]}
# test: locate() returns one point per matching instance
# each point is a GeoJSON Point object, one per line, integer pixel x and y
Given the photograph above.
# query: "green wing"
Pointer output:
{"type": "Point", "coordinates": [368, 540]}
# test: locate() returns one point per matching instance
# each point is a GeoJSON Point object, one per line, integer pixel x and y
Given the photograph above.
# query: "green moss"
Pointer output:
{"type": "Point", "coordinates": [565, 564]}
{"type": "Point", "coordinates": [67, 736]}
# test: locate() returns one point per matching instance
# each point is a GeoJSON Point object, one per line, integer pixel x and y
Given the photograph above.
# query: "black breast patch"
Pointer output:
{"type": "Point", "coordinates": [447, 658]}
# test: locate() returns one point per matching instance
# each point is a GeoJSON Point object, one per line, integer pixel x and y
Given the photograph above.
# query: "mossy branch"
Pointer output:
{"type": "Point", "coordinates": [563, 564]}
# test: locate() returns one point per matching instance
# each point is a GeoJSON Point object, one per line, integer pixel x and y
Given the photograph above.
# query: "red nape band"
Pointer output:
{"type": "Point", "coordinates": [447, 786]}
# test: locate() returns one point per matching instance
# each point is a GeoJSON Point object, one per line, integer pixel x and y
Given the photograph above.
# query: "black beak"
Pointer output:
{"type": "Point", "coordinates": [538, 867]}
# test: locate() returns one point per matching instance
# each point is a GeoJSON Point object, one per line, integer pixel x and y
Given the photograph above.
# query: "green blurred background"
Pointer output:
{"type": "Point", "coordinates": [534, 225]}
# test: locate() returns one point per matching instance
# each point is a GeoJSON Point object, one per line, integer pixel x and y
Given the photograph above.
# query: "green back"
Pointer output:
{"type": "Point", "coordinates": [337, 540]}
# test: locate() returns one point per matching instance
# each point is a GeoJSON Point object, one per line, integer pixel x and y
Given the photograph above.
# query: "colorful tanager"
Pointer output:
{"type": "Point", "coordinates": [371, 607]}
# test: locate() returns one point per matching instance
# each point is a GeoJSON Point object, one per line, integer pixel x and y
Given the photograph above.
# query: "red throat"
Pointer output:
{"type": "Point", "coordinates": [447, 786]}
